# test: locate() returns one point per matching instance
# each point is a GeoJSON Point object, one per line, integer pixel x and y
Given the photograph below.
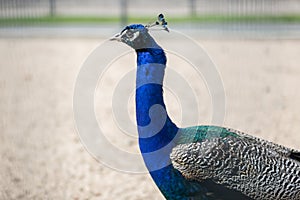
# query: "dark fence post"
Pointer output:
{"type": "Point", "coordinates": [52, 7]}
{"type": "Point", "coordinates": [124, 16]}
{"type": "Point", "coordinates": [193, 10]}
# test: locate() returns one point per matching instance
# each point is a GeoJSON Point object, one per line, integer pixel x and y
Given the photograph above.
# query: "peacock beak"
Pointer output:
{"type": "Point", "coordinates": [117, 37]}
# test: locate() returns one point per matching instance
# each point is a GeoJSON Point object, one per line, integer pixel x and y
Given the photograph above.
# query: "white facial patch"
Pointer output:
{"type": "Point", "coordinates": [130, 35]}
{"type": "Point", "coordinates": [135, 35]}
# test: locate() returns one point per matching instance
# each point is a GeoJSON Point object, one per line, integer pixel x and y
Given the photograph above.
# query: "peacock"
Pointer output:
{"type": "Point", "coordinates": [201, 162]}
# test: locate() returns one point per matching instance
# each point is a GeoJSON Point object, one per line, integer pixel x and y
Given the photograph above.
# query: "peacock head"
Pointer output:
{"type": "Point", "coordinates": [137, 35]}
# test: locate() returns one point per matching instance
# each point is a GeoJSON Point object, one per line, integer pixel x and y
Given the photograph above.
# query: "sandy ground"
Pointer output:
{"type": "Point", "coordinates": [41, 154]}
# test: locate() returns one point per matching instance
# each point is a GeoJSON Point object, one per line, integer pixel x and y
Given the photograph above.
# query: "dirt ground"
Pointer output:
{"type": "Point", "coordinates": [41, 154]}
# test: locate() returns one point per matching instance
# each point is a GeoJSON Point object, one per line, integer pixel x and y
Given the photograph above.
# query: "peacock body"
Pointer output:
{"type": "Point", "coordinates": [202, 162]}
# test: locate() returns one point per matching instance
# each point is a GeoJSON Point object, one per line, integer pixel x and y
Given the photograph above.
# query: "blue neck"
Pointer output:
{"type": "Point", "coordinates": [155, 127]}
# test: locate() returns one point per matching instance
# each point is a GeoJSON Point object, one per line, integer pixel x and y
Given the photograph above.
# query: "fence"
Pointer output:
{"type": "Point", "coordinates": [36, 8]}
{"type": "Point", "coordinates": [229, 14]}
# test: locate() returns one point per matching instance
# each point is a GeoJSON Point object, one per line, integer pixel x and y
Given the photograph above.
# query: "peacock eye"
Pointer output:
{"type": "Point", "coordinates": [129, 33]}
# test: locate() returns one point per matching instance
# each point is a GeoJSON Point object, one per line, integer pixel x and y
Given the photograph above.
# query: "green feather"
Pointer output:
{"type": "Point", "coordinates": [200, 133]}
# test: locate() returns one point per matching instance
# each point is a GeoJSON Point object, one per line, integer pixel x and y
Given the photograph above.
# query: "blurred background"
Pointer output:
{"type": "Point", "coordinates": [97, 17]}
{"type": "Point", "coordinates": [253, 43]}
